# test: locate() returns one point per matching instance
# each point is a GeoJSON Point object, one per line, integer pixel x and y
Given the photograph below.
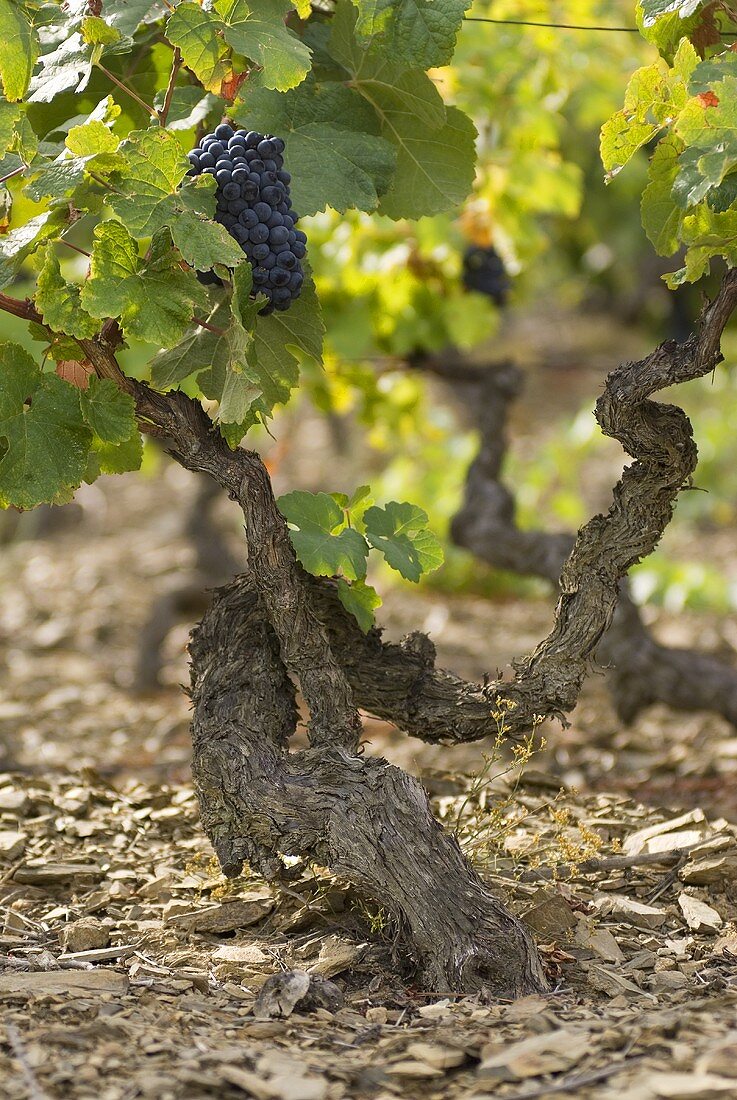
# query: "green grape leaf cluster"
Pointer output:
{"type": "Point", "coordinates": [377, 136]}
{"type": "Point", "coordinates": [255, 30]}
{"type": "Point", "coordinates": [332, 535]}
{"type": "Point", "coordinates": [683, 108]}
{"type": "Point", "coordinates": [53, 435]}
{"type": "Point", "coordinates": [97, 113]}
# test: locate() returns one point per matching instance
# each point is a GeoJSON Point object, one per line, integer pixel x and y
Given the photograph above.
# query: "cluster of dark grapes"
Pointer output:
{"type": "Point", "coordinates": [483, 270]}
{"type": "Point", "coordinates": [253, 204]}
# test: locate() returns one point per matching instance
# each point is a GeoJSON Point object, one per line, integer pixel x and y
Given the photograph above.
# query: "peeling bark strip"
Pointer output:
{"type": "Point", "coordinates": [365, 819]}
{"type": "Point", "coordinates": [641, 671]}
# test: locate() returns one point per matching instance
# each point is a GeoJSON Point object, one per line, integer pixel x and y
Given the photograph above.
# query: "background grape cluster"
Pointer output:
{"type": "Point", "coordinates": [253, 204]}
{"type": "Point", "coordinates": [483, 270]}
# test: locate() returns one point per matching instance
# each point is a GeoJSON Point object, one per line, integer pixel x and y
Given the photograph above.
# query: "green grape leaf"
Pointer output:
{"type": "Point", "coordinates": [154, 168]}
{"type": "Point", "coordinates": [25, 141]}
{"type": "Point", "coordinates": [708, 128]}
{"type": "Point", "coordinates": [128, 15]}
{"type": "Point", "coordinates": [435, 170]}
{"type": "Point", "coordinates": [59, 303]}
{"type": "Point", "coordinates": [10, 114]}
{"type": "Point", "coordinates": [18, 49]}
{"type": "Point", "coordinates": [666, 23]}
{"type": "Point", "coordinates": [197, 33]}
{"type": "Point", "coordinates": [661, 218]}
{"type": "Point", "coordinates": [97, 32]}
{"type": "Point", "coordinates": [228, 378]}
{"type": "Point", "coordinates": [418, 33]}
{"type": "Point", "coordinates": [653, 9]}
{"type": "Point", "coordinates": [709, 73]}
{"type": "Point", "coordinates": [281, 342]}
{"type": "Point", "coordinates": [204, 243]}
{"type": "Point", "coordinates": [110, 413]}
{"type": "Point", "coordinates": [355, 505]}
{"type": "Point", "coordinates": [256, 29]}
{"type": "Point", "coordinates": [360, 600]}
{"type": "Point", "coordinates": [154, 299]}
{"type": "Point", "coordinates": [192, 354]}
{"type": "Point", "coordinates": [68, 68]}
{"type": "Point", "coordinates": [21, 242]}
{"type": "Point", "coordinates": [621, 137]}
{"type": "Point", "coordinates": [435, 145]}
{"type": "Point", "coordinates": [707, 235]}
{"type": "Point", "coordinates": [322, 542]}
{"type": "Point", "coordinates": [655, 95]}
{"type": "Point", "coordinates": [93, 148]}
{"type": "Point", "coordinates": [90, 138]}
{"type": "Point", "coordinates": [400, 532]}
{"type": "Point", "coordinates": [46, 439]}
{"type": "Point", "coordinates": [152, 198]}
{"type": "Point", "coordinates": [117, 458]}
{"type": "Point", "coordinates": [331, 141]}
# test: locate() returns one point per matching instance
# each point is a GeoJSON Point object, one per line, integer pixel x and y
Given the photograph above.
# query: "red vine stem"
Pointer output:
{"type": "Point", "coordinates": [175, 67]}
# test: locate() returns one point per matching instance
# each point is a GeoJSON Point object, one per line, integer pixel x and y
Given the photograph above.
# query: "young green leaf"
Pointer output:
{"type": "Point", "coordinates": [18, 49]}
{"type": "Point", "coordinates": [400, 532]}
{"type": "Point", "coordinates": [361, 600]}
{"type": "Point", "coordinates": [155, 300]}
{"type": "Point", "coordinates": [109, 412]}
{"type": "Point", "coordinates": [418, 33]}
{"type": "Point", "coordinates": [256, 29]}
{"type": "Point", "coordinates": [59, 302]}
{"type": "Point", "coordinates": [322, 543]}
{"type": "Point", "coordinates": [154, 168]}
{"type": "Point", "coordinates": [197, 33]}
{"type": "Point", "coordinates": [46, 441]}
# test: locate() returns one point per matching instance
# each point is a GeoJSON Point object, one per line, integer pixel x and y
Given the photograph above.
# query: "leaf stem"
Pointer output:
{"type": "Point", "coordinates": [104, 183]}
{"type": "Point", "coordinates": [15, 172]}
{"type": "Point", "coordinates": [82, 251]}
{"type": "Point", "coordinates": [129, 91]}
{"type": "Point", "coordinates": [176, 65]}
{"type": "Point", "coordinates": [209, 327]}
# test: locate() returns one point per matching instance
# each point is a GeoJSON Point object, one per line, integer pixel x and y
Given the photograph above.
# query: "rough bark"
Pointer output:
{"type": "Point", "coordinates": [641, 670]}
{"type": "Point", "coordinates": [367, 820]}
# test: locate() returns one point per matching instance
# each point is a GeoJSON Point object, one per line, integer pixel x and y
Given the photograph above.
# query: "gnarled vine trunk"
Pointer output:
{"type": "Point", "coordinates": [364, 818]}
{"type": "Point", "coordinates": [641, 671]}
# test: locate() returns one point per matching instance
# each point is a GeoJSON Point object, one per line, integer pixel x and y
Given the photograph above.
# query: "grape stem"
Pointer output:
{"type": "Point", "coordinates": [175, 67]}
{"type": "Point", "coordinates": [129, 91]}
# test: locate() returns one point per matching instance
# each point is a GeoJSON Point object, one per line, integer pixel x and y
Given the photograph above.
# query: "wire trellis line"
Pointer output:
{"type": "Point", "coordinates": [563, 26]}
{"type": "Point", "coordinates": [551, 26]}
